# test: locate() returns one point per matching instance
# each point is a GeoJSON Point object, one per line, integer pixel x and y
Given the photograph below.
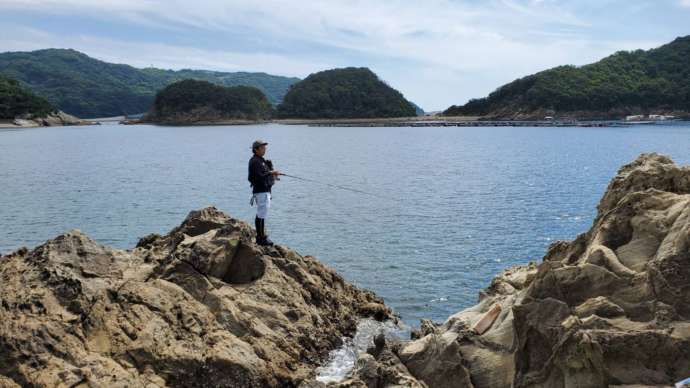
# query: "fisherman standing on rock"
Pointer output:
{"type": "Point", "coordinates": [262, 177]}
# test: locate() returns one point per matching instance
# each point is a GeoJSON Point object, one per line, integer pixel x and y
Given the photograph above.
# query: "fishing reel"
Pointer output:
{"type": "Point", "coordinates": [269, 164]}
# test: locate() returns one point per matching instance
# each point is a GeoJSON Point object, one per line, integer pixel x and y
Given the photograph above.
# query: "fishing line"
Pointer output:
{"type": "Point", "coordinates": [386, 201]}
{"type": "Point", "coordinates": [330, 185]}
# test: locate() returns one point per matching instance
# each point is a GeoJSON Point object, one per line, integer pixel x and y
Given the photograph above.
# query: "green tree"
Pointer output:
{"type": "Point", "coordinates": [193, 100]}
{"type": "Point", "coordinates": [16, 101]}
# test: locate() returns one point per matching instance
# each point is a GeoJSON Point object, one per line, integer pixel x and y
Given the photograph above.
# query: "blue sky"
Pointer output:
{"type": "Point", "coordinates": [436, 52]}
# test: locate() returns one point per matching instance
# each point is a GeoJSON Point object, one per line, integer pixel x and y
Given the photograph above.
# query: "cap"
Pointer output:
{"type": "Point", "coordinates": [258, 143]}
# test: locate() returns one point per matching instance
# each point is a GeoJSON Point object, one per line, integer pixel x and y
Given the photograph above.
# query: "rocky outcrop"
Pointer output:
{"type": "Point", "coordinates": [202, 306]}
{"type": "Point", "coordinates": [54, 119]}
{"type": "Point", "coordinates": [610, 308]}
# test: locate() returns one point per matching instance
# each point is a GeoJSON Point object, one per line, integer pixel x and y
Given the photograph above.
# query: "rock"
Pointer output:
{"type": "Point", "coordinates": [7, 383]}
{"type": "Point", "coordinates": [58, 118]}
{"type": "Point", "coordinates": [610, 308]}
{"type": "Point", "coordinates": [437, 360]}
{"type": "Point", "coordinates": [200, 306]}
{"type": "Point", "coordinates": [380, 367]}
{"type": "Point", "coordinates": [600, 306]}
{"type": "Point", "coordinates": [426, 327]}
{"type": "Point", "coordinates": [487, 319]}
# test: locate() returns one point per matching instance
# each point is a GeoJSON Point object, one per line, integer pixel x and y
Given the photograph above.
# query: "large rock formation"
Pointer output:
{"type": "Point", "coordinates": [610, 308]}
{"type": "Point", "coordinates": [54, 119]}
{"type": "Point", "coordinates": [202, 306]}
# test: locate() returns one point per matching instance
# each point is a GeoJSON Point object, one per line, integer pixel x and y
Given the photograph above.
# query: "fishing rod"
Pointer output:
{"type": "Point", "coordinates": [329, 184]}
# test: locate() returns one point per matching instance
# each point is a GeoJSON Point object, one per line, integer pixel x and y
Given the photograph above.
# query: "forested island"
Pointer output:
{"type": "Point", "coordinates": [20, 107]}
{"type": "Point", "coordinates": [16, 101]}
{"type": "Point", "coordinates": [348, 93]}
{"type": "Point", "coordinates": [192, 101]}
{"type": "Point", "coordinates": [625, 83]}
{"type": "Point", "coordinates": [86, 87]}
{"type": "Point", "coordinates": [344, 93]}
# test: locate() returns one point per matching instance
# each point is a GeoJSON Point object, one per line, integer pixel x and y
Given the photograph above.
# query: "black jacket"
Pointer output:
{"type": "Point", "coordinates": [260, 175]}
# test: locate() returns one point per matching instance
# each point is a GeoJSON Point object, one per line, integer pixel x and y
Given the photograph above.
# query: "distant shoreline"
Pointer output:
{"type": "Point", "coordinates": [418, 121]}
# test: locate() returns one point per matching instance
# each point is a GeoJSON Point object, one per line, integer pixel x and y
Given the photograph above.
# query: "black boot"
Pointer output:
{"type": "Point", "coordinates": [259, 230]}
{"type": "Point", "coordinates": [267, 241]}
{"type": "Point", "coordinates": [261, 237]}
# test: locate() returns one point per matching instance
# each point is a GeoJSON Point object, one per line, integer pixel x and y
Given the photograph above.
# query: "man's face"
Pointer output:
{"type": "Point", "coordinates": [261, 151]}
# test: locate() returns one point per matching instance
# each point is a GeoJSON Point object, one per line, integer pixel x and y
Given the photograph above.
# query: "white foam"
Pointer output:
{"type": "Point", "coordinates": [341, 361]}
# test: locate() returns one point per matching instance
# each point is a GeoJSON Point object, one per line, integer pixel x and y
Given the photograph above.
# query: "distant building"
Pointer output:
{"type": "Point", "coordinates": [649, 118]}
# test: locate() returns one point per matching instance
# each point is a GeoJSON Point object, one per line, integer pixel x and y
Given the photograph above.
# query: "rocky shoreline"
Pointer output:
{"type": "Point", "coordinates": [203, 306]}
{"type": "Point", "coordinates": [418, 121]}
{"type": "Point", "coordinates": [608, 309]}
{"type": "Point", "coordinates": [52, 120]}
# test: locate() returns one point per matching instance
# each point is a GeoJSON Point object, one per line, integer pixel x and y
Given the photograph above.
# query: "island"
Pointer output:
{"type": "Point", "coordinates": [638, 83]}
{"type": "Point", "coordinates": [348, 93]}
{"type": "Point", "coordinates": [201, 102]}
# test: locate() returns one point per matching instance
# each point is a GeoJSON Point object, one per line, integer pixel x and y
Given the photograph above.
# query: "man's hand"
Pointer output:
{"type": "Point", "coordinates": [275, 172]}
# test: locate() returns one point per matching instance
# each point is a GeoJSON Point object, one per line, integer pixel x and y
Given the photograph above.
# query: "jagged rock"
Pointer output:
{"type": "Point", "coordinates": [202, 306]}
{"type": "Point", "coordinates": [610, 308]}
{"type": "Point", "coordinates": [600, 306]}
{"type": "Point", "coordinates": [426, 327]}
{"type": "Point", "coordinates": [380, 367]}
{"type": "Point", "coordinates": [58, 118]}
{"type": "Point", "coordinates": [7, 383]}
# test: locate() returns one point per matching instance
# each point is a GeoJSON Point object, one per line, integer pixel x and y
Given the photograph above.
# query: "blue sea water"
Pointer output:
{"type": "Point", "coordinates": [451, 206]}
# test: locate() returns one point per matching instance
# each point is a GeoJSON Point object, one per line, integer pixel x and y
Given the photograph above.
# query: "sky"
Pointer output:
{"type": "Point", "coordinates": [436, 52]}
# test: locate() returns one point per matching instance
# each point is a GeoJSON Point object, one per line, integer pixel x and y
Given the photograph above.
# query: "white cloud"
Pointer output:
{"type": "Point", "coordinates": [166, 56]}
{"type": "Point", "coordinates": [685, 3]}
{"type": "Point", "coordinates": [434, 53]}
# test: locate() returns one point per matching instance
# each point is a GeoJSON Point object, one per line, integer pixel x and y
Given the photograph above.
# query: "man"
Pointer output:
{"type": "Point", "coordinates": [262, 177]}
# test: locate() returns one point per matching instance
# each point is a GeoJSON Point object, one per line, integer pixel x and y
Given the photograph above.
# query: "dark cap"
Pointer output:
{"type": "Point", "coordinates": [258, 143]}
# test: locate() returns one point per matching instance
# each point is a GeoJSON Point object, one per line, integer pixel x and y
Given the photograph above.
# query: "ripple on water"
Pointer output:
{"type": "Point", "coordinates": [454, 206]}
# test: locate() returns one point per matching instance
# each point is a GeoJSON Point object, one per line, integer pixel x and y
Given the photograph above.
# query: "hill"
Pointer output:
{"type": "Point", "coordinates": [16, 101]}
{"type": "Point", "coordinates": [344, 93]}
{"type": "Point", "coordinates": [637, 82]}
{"type": "Point", "coordinates": [86, 87]}
{"type": "Point", "coordinates": [192, 101]}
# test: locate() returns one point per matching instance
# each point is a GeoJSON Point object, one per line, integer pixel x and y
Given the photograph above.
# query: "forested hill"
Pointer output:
{"type": "Point", "coordinates": [15, 101]}
{"type": "Point", "coordinates": [344, 93]}
{"type": "Point", "coordinates": [193, 101]}
{"type": "Point", "coordinates": [637, 82]}
{"type": "Point", "coordinates": [86, 87]}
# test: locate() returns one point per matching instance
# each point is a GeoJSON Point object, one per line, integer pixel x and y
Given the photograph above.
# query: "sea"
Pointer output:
{"type": "Point", "coordinates": [424, 217]}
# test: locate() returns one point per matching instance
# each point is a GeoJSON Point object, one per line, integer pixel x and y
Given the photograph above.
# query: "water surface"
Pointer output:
{"type": "Point", "coordinates": [451, 206]}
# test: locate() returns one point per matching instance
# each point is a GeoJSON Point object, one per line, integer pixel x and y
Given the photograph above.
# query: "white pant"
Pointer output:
{"type": "Point", "coordinates": [263, 202]}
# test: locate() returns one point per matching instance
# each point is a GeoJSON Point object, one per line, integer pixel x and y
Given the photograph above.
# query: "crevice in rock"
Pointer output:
{"type": "Point", "coordinates": [246, 266]}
